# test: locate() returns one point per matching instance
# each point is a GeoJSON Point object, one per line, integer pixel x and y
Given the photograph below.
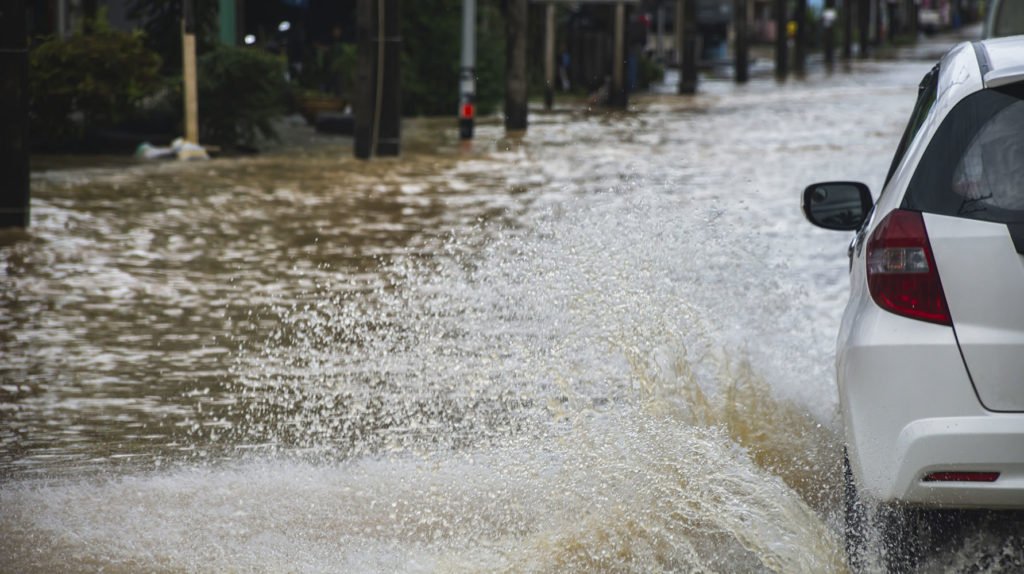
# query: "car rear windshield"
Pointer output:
{"type": "Point", "coordinates": [974, 165]}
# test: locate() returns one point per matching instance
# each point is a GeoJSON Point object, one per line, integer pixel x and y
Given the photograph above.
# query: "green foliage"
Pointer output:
{"type": "Point", "coordinates": [331, 70]}
{"type": "Point", "coordinates": [649, 72]}
{"type": "Point", "coordinates": [240, 91]}
{"type": "Point", "coordinates": [101, 77]}
{"type": "Point", "coordinates": [431, 57]}
{"type": "Point", "coordinates": [162, 24]}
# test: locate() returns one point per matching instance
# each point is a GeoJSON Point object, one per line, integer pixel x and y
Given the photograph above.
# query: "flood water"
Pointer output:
{"type": "Point", "coordinates": [604, 345]}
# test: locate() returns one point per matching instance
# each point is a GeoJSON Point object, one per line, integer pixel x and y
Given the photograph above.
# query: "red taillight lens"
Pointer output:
{"type": "Point", "coordinates": [902, 276]}
{"type": "Point", "coordinates": [962, 477]}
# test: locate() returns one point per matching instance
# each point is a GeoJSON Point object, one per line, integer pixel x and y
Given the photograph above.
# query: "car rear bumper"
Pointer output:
{"type": "Point", "coordinates": [991, 443]}
{"type": "Point", "coordinates": [910, 410]}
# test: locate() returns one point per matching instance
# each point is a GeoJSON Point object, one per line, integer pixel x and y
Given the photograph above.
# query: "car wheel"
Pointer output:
{"type": "Point", "coordinates": [902, 531]}
{"type": "Point", "coordinates": [856, 522]}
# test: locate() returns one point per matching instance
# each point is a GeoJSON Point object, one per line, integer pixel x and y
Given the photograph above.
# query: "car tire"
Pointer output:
{"type": "Point", "coordinates": [881, 536]}
{"type": "Point", "coordinates": [902, 531]}
{"type": "Point", "coordinates": [855, 521]}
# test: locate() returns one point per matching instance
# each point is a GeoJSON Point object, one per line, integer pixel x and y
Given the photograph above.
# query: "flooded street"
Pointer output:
{"type": "Point", "coordinates": [606, 345]}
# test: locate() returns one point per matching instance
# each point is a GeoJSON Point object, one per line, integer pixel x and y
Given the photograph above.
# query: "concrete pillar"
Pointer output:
{"type": "Point", "coordinates": [377, 100]}
{"type": "Point", "coordinates": [800, 42]}
{"type": "Point", "coordinates": [742, 42]}
{"type": "Point", "coordinates": [781, 39]}
{"type": "Point", "coordinates": [686, 35]}
{"type": "Point", "coordinates": [515, 66]}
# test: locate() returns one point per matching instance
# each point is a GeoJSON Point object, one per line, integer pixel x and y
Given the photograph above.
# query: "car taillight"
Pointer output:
{"type": "Point", "coordinates": [902, 276]}
{"type": "Point", "coordinates": [952, 476]}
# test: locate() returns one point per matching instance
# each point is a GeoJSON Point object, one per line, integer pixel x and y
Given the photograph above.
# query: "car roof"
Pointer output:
{"type": "Point", "coordinates": [1005, 60]}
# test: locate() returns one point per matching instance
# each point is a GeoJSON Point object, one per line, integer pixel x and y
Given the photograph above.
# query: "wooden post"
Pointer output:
{"type": "Point", "coordinates": [848, 28]}
{"type": "Point", "coordinates": [864, 26]}
{"type": "Point", "coordinates": [188, 58]}
{"type": "Point", "coordinates": [828, 21]}
{"type": "Point", "coordinates": [781, 39]}
{"type": "Point", "coordinates": [617, 91]}
{"type": "Point", "coordinates": [515, 66]}
{"type": "Point", "coordinates": [800, 42]}
{"type": "Point", "coordinates": [742, 43]}
{"type": "Point", "coordinates": [14, 132]}
{"type": "Point", "coordinates": [549, 56]}
{"type": "Point", "coordinates": [690, 42]}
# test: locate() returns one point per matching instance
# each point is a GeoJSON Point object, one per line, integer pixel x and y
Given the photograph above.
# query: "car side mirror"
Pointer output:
{"type": "Point", "coordinates": [841, 205]}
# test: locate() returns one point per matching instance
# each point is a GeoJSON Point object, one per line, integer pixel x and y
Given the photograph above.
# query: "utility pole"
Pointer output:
{"type": "Point", "coordinates": [781, 40]}
{"type": "Point", "coordinates": [686, 36]}
{"type": "Point", "coordinates": [549, 56]}
{"type": "Point", "coordinates": [377, 102]}
{"type": "Point", "coordinates": [188, 58]}
{"type": "Point", "coordinates": [800, 55]}
{"type": "Point", "coordinates": [14, 137]}
{"type": "Point", "coordinates": [467, 79]}
{"type": "Point", "coordinates": [742, 46]}
{"type": "Point", "coordinates": [515, 66]}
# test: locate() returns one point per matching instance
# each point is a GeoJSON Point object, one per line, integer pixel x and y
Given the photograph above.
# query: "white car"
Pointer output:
{"type": "Point", "coordinates": [930, 353]}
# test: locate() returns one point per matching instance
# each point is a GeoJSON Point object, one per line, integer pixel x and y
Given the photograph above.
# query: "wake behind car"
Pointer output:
{"type": "Point", "coordinates": [930, 353]}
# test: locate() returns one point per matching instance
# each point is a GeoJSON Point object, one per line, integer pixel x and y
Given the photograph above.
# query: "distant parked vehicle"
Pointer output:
{"type": "Point", "coordinates": [1004, 18]}
{"type": "Point", "coordinates": [933, 15]}
{"type": "Point", "coordinates": [930, 353]}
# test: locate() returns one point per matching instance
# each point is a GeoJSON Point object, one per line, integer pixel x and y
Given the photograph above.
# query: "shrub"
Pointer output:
{"type": "Point", "coordinates": [101, 77]}
{"type": "Point", "coordinates": [240, 91]}
{"type": "Point", "coordinates": [431, 57]}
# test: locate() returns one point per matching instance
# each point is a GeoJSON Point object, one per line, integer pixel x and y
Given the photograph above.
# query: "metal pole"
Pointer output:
{"type": "Point", "coordinates": [467, 79]}
{"type": "Point", "coordinates": [549, 56]}
{"type": "Point", "coordinates": [188, 47]}
{"type": "Point", "coordinates": [14, 136]}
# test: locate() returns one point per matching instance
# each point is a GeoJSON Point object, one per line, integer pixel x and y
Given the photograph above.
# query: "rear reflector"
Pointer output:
{"type": "Point", "coordinates": [902, 276]}
{"type": "Point", "coordinates": [961, 477]}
